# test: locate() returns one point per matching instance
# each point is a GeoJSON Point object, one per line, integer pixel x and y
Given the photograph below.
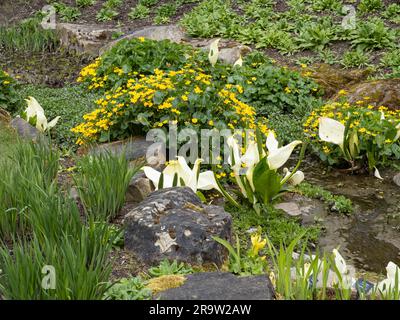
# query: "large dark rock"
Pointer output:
{"type": "Point", "coordinates": [24, 129]}
{"type": "Point", "coordinates": [384, 92]}
{"type": "Point", "coordinates": [173, 223]}
{"type": "Point", "coordinates": [221, 286]}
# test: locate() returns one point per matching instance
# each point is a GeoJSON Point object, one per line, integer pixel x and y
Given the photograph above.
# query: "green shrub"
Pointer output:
{"type": "Point", "coordinates": [392, 13]}
{"type": "Point", "coordinates": [102, 182]}
{"type": "Point", "coordinates": [167, 268]}
{"type": "Point", "coordinates": [9, 98]}
{"type": "Point", "coordinates": [67, 13]}
{"type": "Point", "coordinates": [355, 59]}
{"type": "Point", "coordinates": [187, 97]}
{"type": "Point", "coordinates": [85, 3]}
{"type": "Point", "coordinates": [139, 12]}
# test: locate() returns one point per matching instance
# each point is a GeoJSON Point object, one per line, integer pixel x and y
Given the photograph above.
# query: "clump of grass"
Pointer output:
{"type": "Point", "coordinates": [102, 182]}
{"type": "Point", "coordinates": [28, 36]}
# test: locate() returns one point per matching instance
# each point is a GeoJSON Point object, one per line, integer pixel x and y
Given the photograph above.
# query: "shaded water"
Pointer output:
{"type": "Point", "coordinates": [370, 237]}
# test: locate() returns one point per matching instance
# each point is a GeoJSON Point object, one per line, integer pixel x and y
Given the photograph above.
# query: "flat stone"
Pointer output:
{"type": "Point", "coordinates": [88, 39]}
{"type": "Point", "coordinates": [24, 129]}
{"type": "Point", "coordinates": [174, 224]}
{"type": "Point", "coordinates": [221, 286]}
{"type": "Point", "coordinates": [291, 208]}
{"type": "Point", "coordinates": [135, 148]}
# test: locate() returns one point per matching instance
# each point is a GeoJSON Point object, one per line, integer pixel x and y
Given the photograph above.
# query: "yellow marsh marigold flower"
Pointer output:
{"type": "Point", "coordinates": [342, 92]}
{"type": "Point", "coordinates": [194, 120]}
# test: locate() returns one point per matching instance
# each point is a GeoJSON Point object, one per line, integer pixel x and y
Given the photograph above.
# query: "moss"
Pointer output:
{"type": "Point", "coordinates": [159, 284]}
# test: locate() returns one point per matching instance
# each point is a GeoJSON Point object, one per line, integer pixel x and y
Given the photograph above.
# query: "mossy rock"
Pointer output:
{"type": "Point", "coordinates": [385, 92]}
{"type": "Point", "coordinates": [4, 116]}
{"type": "Point", "coordinates": [332, 79]}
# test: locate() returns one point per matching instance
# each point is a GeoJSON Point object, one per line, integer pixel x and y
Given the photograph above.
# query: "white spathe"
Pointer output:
{"type": "Point", "coordinates": [389, 283]}
{"type": "Point", "coordinates": [214, 52]}
{"type": "Point", "coordinates": [35, 109]}
{"type": "Point", "coordinates": [191, 177]}
{"type": "Point", "coordinates": [331, 131]}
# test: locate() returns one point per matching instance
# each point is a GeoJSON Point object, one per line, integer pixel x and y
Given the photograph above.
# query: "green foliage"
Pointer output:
{"type": "Point", "coordinates": [139, 12]}
{"type": "Point", "coordinates": [9, 98]}
{"type": "Point", "coordinates": [165, 12]}
{"type": "Point", "coordinates": [392, 13]}
{"type": "Point", "coordinates": [373, 34]}
{"type": "Point", "coordinates": [316, 35]}
{"type": "Point", "coordinates": [102, 182]}
{"type": "Point", "coordinates": [273, 223]}
{"type": "Point", "coordinates": [80, 261]}
{"type": "Point", "coordinates": [128, 289]}
{"type": "Point", "coordinates": [85, 3]}
{"type": "Point", "coordinates": [27, 36]}
{"type": "Point", "coordinates": [335, 203]}
{"type": "Point", "coordinates": [67, 13]}
{"type": "Point", "coordinates": [391, 59]}
{"type": "Point", "coordinates": [370, 5]}
{"type": "Point", "coordinates": [69, 102]}
{"type": "Point", "coordinates": [327, 5]}
{"type": "Point", "coordinates": [148, 3]}
{"type": "Point", "coordinates": [355, 59]}
{"type": "Point", "coordinates": [25, 186]}
{"type": "Point", "coordinates": [211, 18]}
{"type": "Point", "coordinates": [106, 14]}
{"type": "Point", "coordinates": [245, 262]}
{"type": "Point", "coordinates": [276, 90]}
{"type": "Point", "coordinates": [166, 268]}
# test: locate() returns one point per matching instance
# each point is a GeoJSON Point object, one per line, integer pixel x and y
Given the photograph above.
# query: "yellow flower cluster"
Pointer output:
{"type": "Point", "coordinates": [167, 96]}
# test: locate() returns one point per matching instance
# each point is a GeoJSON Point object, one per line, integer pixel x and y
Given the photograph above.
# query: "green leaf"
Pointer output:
{"type": "Point", "coordinates": [267, 182]}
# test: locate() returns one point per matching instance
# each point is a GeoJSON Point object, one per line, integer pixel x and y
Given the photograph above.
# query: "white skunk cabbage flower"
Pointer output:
{"type": "Point", "coordinates": [277, 157]}
{"type": "Point", "coordinates": [389, 284]}
{"type": "Point", "coordinates": [346, 280]}
{"type": "Point", "coordinates": [35, 109]}
{"type": "Point", "coordinates": [239, 62]}
{"type": "Point", "coordinates": [179, 170]}
{"type": "Point", "coordinates": [214, 52]}
{"type": "Point", "coordinates": [295, 179]}
{"type": "Point", "coordinates": [331, 131]}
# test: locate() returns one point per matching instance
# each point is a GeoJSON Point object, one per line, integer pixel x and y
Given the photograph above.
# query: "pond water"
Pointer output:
{"type": "Point", "coordinates": [370, 237]}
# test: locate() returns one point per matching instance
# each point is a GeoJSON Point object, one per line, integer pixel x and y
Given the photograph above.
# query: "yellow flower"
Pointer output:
{"type": "Point", "coordinates": [141, 39]}
{"type": "Point", "coordinates": [211, 123]}
{"type": "Point", "coordinates": [287, 90]}
{"type": "Point", "coordinates": [185, 98]}
{"type": "Point", "coordinates": [342, 92]}
{"type": "Point", "coordinates": [194, 120]}
{"type": "Point", "coordinates": [257, 243]}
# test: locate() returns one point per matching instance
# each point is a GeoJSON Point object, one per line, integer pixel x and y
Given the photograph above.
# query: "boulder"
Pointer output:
{"type": "Point", "coordinates": [139, 188]}
{"type": "Point", "coordinates": [4, 116]}
{"type": "Point", "coordinates": [88, 39]}
{"type": "Point", "coordinates": [136, 149]}
{"type": "Point", "coordinates": [384, 92]}
{"type": "Point", "coordinates": [291, 208]}
{"type": "Point", "coordinates": [396, 179]}
{"type": "Point", "coordinates": [24, 129]}
{"type": "Point", "coordinates": [333, 79]}
{"type": "Point", "coordinates": [221, 286]}
{"type": "Point", "coordinates": [174, 224]}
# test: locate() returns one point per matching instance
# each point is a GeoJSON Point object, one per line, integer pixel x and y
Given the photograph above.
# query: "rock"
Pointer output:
{"type": "Point", "coordinates": [173, 223]}
{"type": "Point", "coordinates": [396, 179]}
{"type": "Point", "coordinates": [221, 286]}
{"type": "Point", "coordinates": [4, 116]}
{"type": "Point", "coordinates": [135, 148]}
{"type": "Point", "coordinates": [333, 79]}
{"type": "Point", "coordinates": [24, 129]}
{"type": "Point", "coordinates": [88, 39]}
{"type": "Point", "coordinates": [229, 51]}
{"type": "Point", "coordinates": [169, 32]}
{"type": "Point", "coordinates": [384, 92]}
{"type": "Point", "coordinates": [139, 188]}
{"type": "Point", "coordinates": [291, 208]}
